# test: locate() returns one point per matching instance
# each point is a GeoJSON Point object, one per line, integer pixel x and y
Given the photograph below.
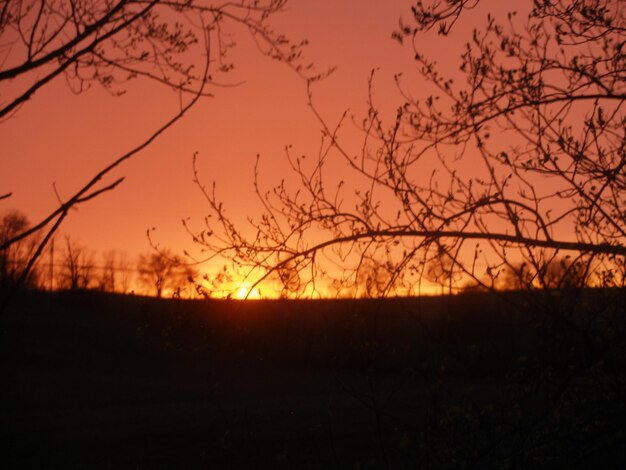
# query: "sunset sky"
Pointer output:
{"type": "Point", "coordinates": [62, 138]}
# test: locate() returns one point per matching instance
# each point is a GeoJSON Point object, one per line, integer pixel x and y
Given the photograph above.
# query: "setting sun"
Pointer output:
{"type": "Point", "coordinates": [245, 292]}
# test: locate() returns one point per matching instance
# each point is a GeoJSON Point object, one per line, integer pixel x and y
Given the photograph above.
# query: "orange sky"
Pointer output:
{"type": "Point", "coordinates": [65, 138]}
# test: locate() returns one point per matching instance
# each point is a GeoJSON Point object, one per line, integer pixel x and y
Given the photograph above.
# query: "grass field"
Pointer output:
{"type": "Point", "coordinates": [93, 380]}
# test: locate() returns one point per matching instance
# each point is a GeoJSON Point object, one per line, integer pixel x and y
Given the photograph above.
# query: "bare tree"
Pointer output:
{"type": "Point", "coordinates": [440, 270]}
{"type": "Point", "coordinates": [107, 281]}
{"type": "Point", "coordinates": [373, 280]}
{"type": "Point", "coordinates": [125, 268]}
{"type": "Point", "coordinates": [180, 44]}
{"type": "Point", "coordinates": [77, 267]}
{"type": "Point", "coordinates": [519, 159]}
{"type": "Point", "coordinates": [165, 272]}
{"type": "Point", "coordinates": [115, 272]}
{"type": "Point", "coordinates": [14, 258]}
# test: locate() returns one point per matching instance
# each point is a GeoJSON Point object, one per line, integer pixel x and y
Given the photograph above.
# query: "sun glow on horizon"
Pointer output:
{"type": "Point", "coordinates": [247, 292]}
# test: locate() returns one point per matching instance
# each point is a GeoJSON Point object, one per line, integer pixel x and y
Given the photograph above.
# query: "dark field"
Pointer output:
{"type": "Point", "coordinates": [91, 380]}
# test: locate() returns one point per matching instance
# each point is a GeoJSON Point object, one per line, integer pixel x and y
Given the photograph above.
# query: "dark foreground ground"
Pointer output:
{"type": "Point", "coordinates": [90, 380]}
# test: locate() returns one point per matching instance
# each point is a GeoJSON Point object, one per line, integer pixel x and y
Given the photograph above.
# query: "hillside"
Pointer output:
{"type": "Point", "coordinates": [95, 380]}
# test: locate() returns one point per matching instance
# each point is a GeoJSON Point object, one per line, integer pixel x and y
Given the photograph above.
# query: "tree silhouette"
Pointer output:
{"type": "Point", "coordinates": [77, 267]}
{"type": "Point", "coordinates": [182, 45]}
{"type": "Point", "coordinates": [440, 269]}
{"type": "Point", "coordinates": [162, 271]}
{"type": "Point", "coordinates": [518, 159]}
{"type": "Point", "coordinates": [14, 258]}
{"type": "Point", "coordinates": [512, 167]}
{"type": "Point", "coordinates": [107, 280]}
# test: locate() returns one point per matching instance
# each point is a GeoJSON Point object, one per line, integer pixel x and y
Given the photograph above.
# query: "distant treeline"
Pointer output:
{"type": "Point", "coordinates": [69, 265]}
